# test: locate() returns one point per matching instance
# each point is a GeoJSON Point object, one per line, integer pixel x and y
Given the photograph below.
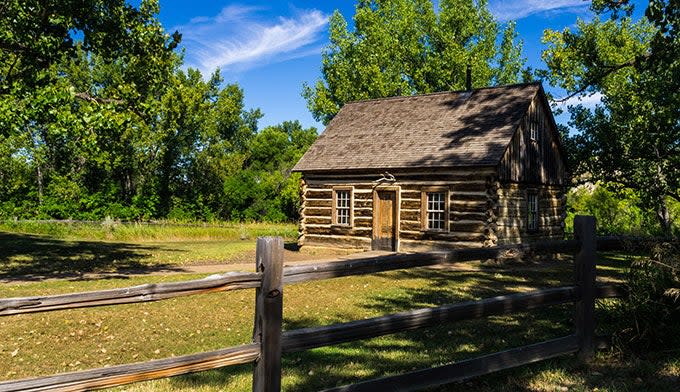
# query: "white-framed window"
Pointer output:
{"type": "Point", "coordinates": [532, 211]}
{"type": "Point", "coordinates": [533, 130]}
{"type": "Point", "coordinates": [435, 210]}
{"type": "Point", "coordinates": [342, 207]}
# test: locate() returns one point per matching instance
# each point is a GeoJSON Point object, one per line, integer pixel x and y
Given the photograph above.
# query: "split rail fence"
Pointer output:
{"type": "Point", "coordinates": [270, 342]}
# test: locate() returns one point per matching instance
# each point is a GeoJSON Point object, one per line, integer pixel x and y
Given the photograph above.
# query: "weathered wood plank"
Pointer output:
{"type": "Point", "coordinates": [440, 236]}
{"type": "Point", "coordinates": [317, 211]}
{"type": "Point", "coordinates": [611, 291]}
{"type": "Point", "coordinates": [338, 230]}
{"type": "Point", "coordinates": [125, 374]}
{"type": "Point", "coordinates": [316, 220]}
{"type": "Point", "coordinates": [127, 295]}
{"type": "Point", "coordinates": [304, 272]}
{"type": "Point", "coordinates": [584, 268]}
{"type": "Point", "coordinates": [307, 338]}
{"type": "Point", "coordinates": [460, 371]}
{"type": "Point", "coordinates": [318, 203]}
{"type": "Point", "coordinates": [268, 315]}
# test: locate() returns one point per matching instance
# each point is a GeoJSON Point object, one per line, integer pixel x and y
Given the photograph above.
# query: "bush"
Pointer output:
{"type": "Point", "coordinates": [650, 316]}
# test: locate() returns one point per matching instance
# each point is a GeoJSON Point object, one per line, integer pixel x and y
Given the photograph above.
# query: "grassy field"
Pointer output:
{"type": "Point", "coordinates": [47, 343]}
{"type": "Point", "coordinates": [37, 250]}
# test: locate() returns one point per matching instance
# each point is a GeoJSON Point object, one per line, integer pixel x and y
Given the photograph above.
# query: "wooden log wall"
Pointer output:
{"type": "Point", "coordinates": [512, 213]}
{"type": "Point", "coordinates": [471, 218]}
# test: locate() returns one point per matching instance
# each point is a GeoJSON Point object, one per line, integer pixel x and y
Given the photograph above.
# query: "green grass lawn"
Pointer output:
{"type": "Point", "coordinates": [38, 251]}
{"type": "Point", "coordinates": [47, 343]}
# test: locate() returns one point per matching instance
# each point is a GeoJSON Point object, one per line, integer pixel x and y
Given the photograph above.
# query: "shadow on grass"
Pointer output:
{"type": "Point", "coordinates": [30, 257]}
{"type": "Point", "coordinates": [407, 351]}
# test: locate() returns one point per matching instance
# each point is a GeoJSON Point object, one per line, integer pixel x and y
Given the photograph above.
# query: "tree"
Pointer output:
{"type": "Point", "coordinates": [36, 34]}
{"type": "Point", "coordinates": [631, 139]}
{"type": "Point", "coordinates": [404, 47]}
{"type": "Point", "coordinates": [266, 188]}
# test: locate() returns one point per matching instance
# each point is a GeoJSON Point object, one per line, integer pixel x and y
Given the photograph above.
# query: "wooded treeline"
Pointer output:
{"type": "Point", "coordinates": [98, 116]}
{"type": "Point", "coordinates": [116, 127]}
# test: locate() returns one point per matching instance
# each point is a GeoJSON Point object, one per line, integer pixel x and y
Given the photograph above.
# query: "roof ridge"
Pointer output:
{"type": "Point", "coordinates": [505, 86]}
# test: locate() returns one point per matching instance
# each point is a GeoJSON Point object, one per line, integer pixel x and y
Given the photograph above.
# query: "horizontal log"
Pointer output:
{"type": "Point", "coordinates": [317, 203]}
{"type": "Point", "coordinates": [317, 211]}
{"type": "Point", "coordinates": [469, 206]}
{"type": "Point", "coordinates": [337, 241]}
{"type": "Point", "coordinates": [468, 226]}
{"type": "Point", "coordinates": [464, 370]}
{"type": "Point", "coordinates": [316, 220]}
{"type": "Point", "coordinates": [367, 195]}
{"type": "Point", "coordinates": [319, 193]}
{"type": "Point", "coordinates": [307, 338]}
{"type": "Point", "coordinates": [470, 196]}
{"type": "Point", "coordinates": [363, 212]}
{"type": "Point", "coordinates": [406, 245]}
{"type": "Point", "coordinates": [441, 236]}
{"type": "Point", "coordinates": [304, 272]}
{"type": "Point", "coordinates": [410, 194]}
{"type": "Point", "coordinates": [410, 215]}
{"type": "Point", "coordinates": [611, 291]}
{"type": "Point", "coordinates": [363, 222]}
{"type": "Point", "coordinates": [125, 374]}
{"type": "Point", "coordinates": [410, 225]}
{"type": "Point", "coordinates": [478, 216]}
{"type": "Point", "coordinates": [339, 230]}
{"type": "Point", "coordinates": [359, 203]}
{"type": "Point", "coordinates": [476, 186]}
{"type": "Point", "coordinates": [135, 294]}
{"type": "Point", "coordinates": [412, 204]}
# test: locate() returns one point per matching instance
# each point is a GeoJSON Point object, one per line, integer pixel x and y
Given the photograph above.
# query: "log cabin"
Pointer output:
{"type": "Point", "coordinates": [436, 171]}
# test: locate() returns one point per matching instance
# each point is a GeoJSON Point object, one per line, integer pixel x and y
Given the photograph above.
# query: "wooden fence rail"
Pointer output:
{"type": "Point", "coordinates": [270, 342]}
{"type": "Point", "coordinates": [244, 280]}
{"type": "Point", "coordinates": [125, 374]}
{"type": "Point", "coordinates": [135, 294]}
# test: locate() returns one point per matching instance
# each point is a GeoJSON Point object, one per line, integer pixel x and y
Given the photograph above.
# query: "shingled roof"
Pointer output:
{"type": "Point", "coordinates": [460, 128]}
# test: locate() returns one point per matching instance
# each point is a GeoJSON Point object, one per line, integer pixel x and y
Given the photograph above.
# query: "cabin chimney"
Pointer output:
{"type": "Point", "coordinates": [468, 78]}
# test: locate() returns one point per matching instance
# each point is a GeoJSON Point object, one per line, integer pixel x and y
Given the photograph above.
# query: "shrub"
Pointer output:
{"type": "Point", "coordinates": [650, 317]}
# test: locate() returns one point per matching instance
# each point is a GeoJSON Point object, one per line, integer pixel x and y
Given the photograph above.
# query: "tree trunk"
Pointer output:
{"type": "Point", "coordinates": [664, 217]}
{"type": "Point", "coordinates": [39, 176]}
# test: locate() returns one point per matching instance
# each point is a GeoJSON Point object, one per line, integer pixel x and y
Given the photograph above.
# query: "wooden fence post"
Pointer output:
{"type": "Point", "coordinates": [269, 315]}
{"type": "Point", "coordinates": [584, 267]}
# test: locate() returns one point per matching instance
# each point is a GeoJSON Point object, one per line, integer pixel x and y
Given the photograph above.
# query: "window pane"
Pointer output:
{"type": "Point", "coordinates": [342, 207]}
{"type": "Point", "coordinates": [532, 211]}
{"type": "Point", "coordinates": [436, 214]}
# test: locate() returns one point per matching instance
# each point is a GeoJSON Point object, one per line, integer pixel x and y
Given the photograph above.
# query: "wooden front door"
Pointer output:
{"type": "Point", "coordinates": [384, 220]}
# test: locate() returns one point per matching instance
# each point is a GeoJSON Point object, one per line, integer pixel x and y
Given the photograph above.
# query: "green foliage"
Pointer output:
{"type": "Point", "coordinates": [404, 47]}
{"type": "Point", "coordinates": [98, 118]}
{"type": "Point", "coordinates": [265, 187]}
{"type": "Point", "coordinates": [650, 316]}
{"type": "Point", "coordinates": [615, 212]}
{"type": "Point", "coordinates": [632, 138]}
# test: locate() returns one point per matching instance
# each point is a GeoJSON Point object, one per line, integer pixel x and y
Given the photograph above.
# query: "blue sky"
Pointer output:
{"type": "Point", "coordinates": [271, 48]}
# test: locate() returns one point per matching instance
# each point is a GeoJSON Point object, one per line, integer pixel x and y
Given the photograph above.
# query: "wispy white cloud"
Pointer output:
{"type": "Point", "coordinates": [506, 10]}
{"type": "Point", "coordinates": [239, 38]}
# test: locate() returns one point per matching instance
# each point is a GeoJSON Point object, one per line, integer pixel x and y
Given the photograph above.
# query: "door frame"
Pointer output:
{"type": "Point", "coordinates": [397, 207]}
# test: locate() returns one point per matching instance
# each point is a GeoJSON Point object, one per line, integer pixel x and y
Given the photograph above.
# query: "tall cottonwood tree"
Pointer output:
{"type": "Point", "coordinates": [404, 47]}
{"type": "Point", "coordinates": [98, 118]}
{"type": "Point", "coordinates": [631, 139]}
